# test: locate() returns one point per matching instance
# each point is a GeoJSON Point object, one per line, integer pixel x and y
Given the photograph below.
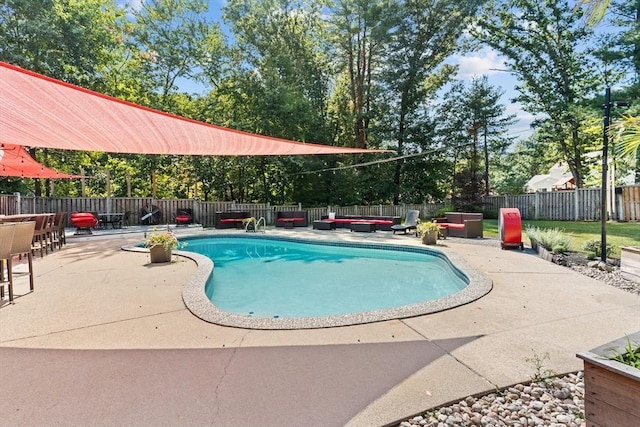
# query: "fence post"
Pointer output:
{"type": "Point", "coordinates": [576, 201]}
{"type": "Point", "coordinates": [195, 205]}
{"type": "Point", "coordinates": [536, 206]}
{"type": "Point", "coordinates": [18, 207]}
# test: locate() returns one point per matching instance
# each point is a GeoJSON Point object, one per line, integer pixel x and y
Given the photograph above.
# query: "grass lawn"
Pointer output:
{"type": "Point", "coordinates": [618, 233]}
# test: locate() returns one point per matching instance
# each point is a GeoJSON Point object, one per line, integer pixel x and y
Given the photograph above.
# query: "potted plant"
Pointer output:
{"type": "Point", "coordinates": [428, 232]}
{"type": "Point", "coordinates": [249, 224]}
{"type": "Point", "coordinates": [612, 382]}
{"type": "Point", "coordinates": [161, 245]}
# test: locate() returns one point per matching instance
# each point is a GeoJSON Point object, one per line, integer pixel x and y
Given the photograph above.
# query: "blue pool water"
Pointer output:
{"type": "Point", "coordinates": [263, 277]}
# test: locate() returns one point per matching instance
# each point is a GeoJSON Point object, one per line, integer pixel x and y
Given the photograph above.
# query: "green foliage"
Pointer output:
{"type": "Point", "coordinates": [343, 73]}
{"type": "Point", "coordinates": [594, 246]}
{"type": "Point", "coordinates": [425, 227]}
{"type": "Point", "coordinates": [552, 239]}
{"type": "Point", "coordinates": [631, 355]}
{"type": "Point", "coordinates": [540, 372]}
{"type": "Point", "coordinates": [447, 208]}
{"type": "Point", "coordinates": [618, 233]}
{"type": "Point", "coordinates": [166, 239]}
{"type": "Point", "coordinates": [542, 42]}
{"type": "Point", "coordinates": [490, 214]}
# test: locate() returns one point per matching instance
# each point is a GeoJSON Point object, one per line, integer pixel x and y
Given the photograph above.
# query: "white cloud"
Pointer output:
{"type": "Point", "coordinates": [484, 62]}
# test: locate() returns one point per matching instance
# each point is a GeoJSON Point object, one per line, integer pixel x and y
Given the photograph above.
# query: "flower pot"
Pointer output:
{"type": "Point", "coordinates": [611, 388]}
{"type": "Point", "coordinates": [430, 237]}
{"type": "Point", "coordinates": [160, 254]}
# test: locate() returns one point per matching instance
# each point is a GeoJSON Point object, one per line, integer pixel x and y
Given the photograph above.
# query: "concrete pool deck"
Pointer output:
{"type": "Point", "coordinates": [105, 339]}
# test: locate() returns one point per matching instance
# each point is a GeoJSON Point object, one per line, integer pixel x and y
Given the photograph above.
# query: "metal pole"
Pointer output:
{"type": "Point", "coordinates": [603, 193]}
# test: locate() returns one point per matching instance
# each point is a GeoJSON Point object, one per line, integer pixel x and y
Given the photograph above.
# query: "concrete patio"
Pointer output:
{"type": "Point", "coordinates": [105, 339]}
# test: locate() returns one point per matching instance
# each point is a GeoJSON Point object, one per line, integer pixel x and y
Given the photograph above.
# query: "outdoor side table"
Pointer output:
{"type": "Point", "coordinates": [324, 225]}
{"type": "Point", "coordinates": [366, 227]}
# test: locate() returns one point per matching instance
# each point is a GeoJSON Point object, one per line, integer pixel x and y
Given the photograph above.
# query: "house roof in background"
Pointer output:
{"type": "Point", "coordinates": [38, 111]}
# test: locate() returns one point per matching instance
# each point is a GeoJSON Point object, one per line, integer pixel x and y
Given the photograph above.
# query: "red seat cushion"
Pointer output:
{"type": "Point", "coordinates": [345, 220]}
{"type": "Point", "coordinates": [455, 226]}
{"type": "Point", "coordinates": [290, 219]}
{"type": "Point", "coordinates": [183, 218]}
{"type": "Point", "coordinates": [379, 221]}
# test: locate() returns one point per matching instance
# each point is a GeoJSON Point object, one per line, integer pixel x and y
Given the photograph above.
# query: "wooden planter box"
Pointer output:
{"type": "Point", "coordinates": [542, 252]}
{"type": "Point", "coordinates": [630, 263]}
{"type": "Point", "coordinates": [612, 389]}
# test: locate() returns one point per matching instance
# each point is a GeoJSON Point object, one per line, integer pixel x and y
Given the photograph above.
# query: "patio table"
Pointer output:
{"type": "Point", "coordinates": [112, 218]}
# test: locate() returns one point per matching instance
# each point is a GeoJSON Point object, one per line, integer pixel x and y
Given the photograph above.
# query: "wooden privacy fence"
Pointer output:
{"type": "Point", "coordinates": [576, 205]}
{"type": "Point", "coordinates": [582, 204]}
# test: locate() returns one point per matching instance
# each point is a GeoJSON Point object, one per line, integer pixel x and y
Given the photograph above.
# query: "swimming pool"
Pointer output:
{"type": "Point", "coordinates": [265, 283]}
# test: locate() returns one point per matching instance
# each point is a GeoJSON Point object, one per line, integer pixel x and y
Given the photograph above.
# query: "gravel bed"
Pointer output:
{"type": "Point", "coordinates": [555, 402]}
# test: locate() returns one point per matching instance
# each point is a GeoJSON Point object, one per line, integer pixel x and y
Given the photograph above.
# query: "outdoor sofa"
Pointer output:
{"type": "Point", "coordinates": [461, 224]}
{"type": "Point", "coordinates": [381, 222]}
{"type": "Point", "coordinates": [231, 219]}
{"type": "Point", "coordinates": [290, 219]}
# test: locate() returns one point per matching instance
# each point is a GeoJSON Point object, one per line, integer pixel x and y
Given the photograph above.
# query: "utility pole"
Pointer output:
{"type": "Point", "coordinates": [603, 194]}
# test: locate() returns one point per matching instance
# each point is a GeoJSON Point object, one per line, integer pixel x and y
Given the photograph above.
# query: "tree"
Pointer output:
{"type": "Point", "coordinates": [490, 123]}
{"type": "Point", "coordinates": [177, 43]}
{"type": "Point", "coordinates": [426, 33]}
{"type": "Point", "coordinates": [472, 121]}
{"type": "Point", "coordinates": [529, 157]}
{"type": "Point", "coordinates": [628, 13]}
{"type": "Point", "coordinates": [360, 30]}
{"type": "Point", "coordinates": [542, 43]}
{"type": "Point", "coordinates": [594, 10]}
{"type": "Point", "coordinates": [73, 41]}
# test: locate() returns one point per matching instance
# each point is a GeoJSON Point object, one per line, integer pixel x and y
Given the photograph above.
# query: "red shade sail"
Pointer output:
{"type": "Point", "coordinates": [15, 161]}
{"type": "Point", "coordinates": [38, 111]}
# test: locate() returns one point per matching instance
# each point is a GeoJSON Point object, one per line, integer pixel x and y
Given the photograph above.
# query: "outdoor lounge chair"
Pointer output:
{"type": "Point", "coordinates": [184, 216]}
{"type": "Point", "coordinates": [410, 222]}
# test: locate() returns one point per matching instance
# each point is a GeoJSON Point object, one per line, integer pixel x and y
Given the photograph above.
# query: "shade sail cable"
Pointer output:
{"type": "Point", "coordinates": [38, 111]}
{"type": "Point", "coordinates": [391, 159]}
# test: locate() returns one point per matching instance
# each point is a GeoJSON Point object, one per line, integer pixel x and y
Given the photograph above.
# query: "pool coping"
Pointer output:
{"type": "Point", "coordinates": [196, 300]}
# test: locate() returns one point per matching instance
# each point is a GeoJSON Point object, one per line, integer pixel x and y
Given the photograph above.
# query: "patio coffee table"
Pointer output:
{"type": "Point", "coordinates": [366, 227]}
{"type": "Point", "coordinates": [324, 225]}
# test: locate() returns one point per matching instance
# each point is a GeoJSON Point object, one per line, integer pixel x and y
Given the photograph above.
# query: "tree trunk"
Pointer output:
{"type": "Point", "coordinates": [486, 162]}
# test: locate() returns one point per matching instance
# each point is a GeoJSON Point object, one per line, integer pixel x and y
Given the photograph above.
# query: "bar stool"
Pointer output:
{"type": "Point", "coordinates": [6, 240]}
{"type": "Point", "coordinates": [21, 245]}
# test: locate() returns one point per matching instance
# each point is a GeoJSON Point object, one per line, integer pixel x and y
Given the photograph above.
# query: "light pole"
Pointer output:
{"type": "Point", "coordinates": [603, 195]}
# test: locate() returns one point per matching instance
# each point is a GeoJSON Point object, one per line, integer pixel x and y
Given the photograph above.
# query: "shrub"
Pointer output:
{"type": "Point", "coordinates": [594, 246]}
{"type": "Point", "coordinates": [167, 240]}
{"type": "Point", "coordinates": [426, 226]}
{"type": "Point", "coordinates": [552, 239]}
{"type": "Point", "coordinates": [447, 208]}
{"type": "Point", "coordinates": [490, 214]}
